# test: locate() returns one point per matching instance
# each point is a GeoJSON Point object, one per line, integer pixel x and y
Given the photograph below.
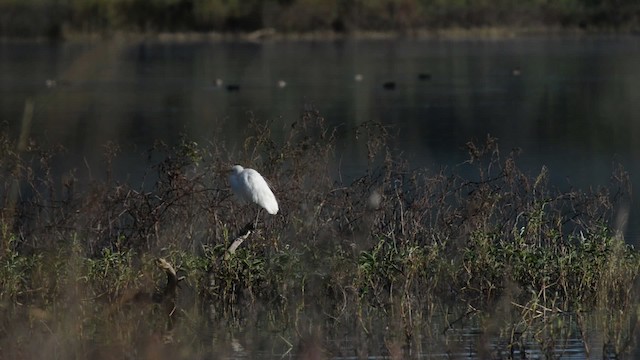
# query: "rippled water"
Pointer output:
{"type": "Point", "coordinates": [466, 340]}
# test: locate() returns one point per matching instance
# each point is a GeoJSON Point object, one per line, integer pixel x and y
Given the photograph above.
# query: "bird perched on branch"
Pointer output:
{"type": "Point", "coordinates": [249, 186]}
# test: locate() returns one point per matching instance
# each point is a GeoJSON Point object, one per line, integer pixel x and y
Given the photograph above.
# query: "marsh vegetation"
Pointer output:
{"type": "Point", "coordinates": [59, 18]}
{"type": "Point", "coordinates": [398, 261]}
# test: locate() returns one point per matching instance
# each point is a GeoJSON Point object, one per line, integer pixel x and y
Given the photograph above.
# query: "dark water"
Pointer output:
{"type": "Point", "coordinates": [571, 103]}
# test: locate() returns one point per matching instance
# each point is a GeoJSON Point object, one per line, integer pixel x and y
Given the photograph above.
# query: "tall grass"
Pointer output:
{"type": "Point", "coordinates": [400, 259]}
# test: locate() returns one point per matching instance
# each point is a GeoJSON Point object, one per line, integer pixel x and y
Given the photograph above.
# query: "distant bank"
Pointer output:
{"type": "Point", "coordinates": [60, 19]}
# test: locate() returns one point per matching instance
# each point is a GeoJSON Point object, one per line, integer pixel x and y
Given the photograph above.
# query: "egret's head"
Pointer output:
{"type": "Point", "coordinates": [236, 169]}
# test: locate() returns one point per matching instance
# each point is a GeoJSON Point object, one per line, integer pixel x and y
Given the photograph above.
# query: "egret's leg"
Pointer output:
{"type": "Point", "coordinates": [255, 224]}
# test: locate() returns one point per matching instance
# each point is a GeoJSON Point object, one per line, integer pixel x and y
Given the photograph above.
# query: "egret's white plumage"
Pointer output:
{"type": "Point", "coordinates": [248, 185]}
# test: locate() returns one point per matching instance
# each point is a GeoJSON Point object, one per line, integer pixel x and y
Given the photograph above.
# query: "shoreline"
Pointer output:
{"type": "Point", "coordinates": [270, 34]}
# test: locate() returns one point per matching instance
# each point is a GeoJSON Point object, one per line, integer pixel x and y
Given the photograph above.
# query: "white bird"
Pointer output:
{"type": "Point", "coordinates": [249, 186]}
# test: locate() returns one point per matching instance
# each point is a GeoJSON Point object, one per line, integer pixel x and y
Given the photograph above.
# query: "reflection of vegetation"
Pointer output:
{"type": "Point", "coordinates": [37, 17]}
{"type": "Point", "coordinates": [386, 259]}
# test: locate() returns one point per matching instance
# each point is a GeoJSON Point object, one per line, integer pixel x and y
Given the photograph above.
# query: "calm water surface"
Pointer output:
{"type": "Point", "coordinates": [572, 104]}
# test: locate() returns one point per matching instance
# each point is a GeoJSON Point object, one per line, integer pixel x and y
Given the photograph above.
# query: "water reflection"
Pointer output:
{"type": "Point", "coordinates": [540, 339]}
{"type": "Point", "coordinates": [569, 103]}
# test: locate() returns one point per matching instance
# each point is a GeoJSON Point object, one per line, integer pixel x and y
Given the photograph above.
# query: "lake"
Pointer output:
{"type": "Point", "coordinates": [571, 103]}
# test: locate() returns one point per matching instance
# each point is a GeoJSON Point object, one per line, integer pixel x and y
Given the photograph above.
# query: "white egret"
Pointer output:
{"type": "Point", "coordinates": [249, 186]}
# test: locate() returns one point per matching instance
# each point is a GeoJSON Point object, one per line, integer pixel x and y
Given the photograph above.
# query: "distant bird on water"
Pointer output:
{"type": "Point", "coordinates": [389, 85]}
{"type": "Point", "coordinates": [249, 186]}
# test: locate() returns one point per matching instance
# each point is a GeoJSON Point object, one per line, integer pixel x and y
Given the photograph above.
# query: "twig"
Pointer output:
{"type": "Point", "coordinates": [469, 312]}
{"type": "Point", "coordinates": [246, 231]}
